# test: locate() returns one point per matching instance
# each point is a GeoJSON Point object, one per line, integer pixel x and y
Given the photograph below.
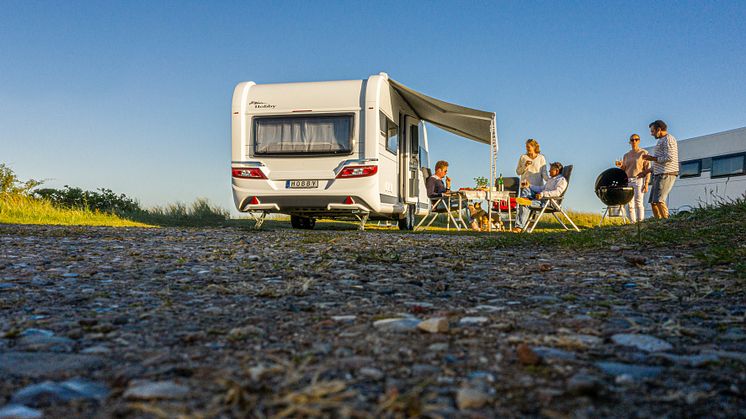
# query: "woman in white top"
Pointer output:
{"type": "Point", "coordinates": [532, 166]}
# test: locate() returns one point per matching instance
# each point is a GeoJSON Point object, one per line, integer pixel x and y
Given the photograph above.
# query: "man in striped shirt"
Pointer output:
{"type": "Point", "coordinates": [665, 167]}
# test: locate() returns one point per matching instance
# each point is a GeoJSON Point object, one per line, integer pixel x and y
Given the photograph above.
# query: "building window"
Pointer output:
{"type": "Point", "coordinates": [390, 132]}
{"type": "Point", "coordinates": [728, 165]}
{"type": "Point", "coordinates": [691, 168]}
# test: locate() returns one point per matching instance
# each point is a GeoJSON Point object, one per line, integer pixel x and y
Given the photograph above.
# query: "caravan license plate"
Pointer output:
{"type": "Point", "coordinates": [301, 184]}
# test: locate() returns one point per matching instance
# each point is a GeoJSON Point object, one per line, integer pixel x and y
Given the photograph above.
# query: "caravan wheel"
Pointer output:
{"type": "Point", "coordinates": [407, 223]}
{"type": "Point", "coordinates": [308, 223]}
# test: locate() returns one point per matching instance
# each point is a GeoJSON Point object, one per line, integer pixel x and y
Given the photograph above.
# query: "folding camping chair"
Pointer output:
{"type": "Point", "coordinates": [551, 206]}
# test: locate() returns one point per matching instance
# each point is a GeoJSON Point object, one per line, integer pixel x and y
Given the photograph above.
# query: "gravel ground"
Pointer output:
{"type": "Point", "coordinates": [102, 322]}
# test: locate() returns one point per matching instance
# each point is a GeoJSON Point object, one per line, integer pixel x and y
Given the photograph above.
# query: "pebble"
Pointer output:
{"type": "Point", "coordinates": [151, 390]}
{"type": "Point", "coordinates": [344, 319]}
{"type": "Point", "coordinates": [399, 325]}
{"type": "Point", "coordinates": [434, 325]}
{"type": "Point", "coordinates": [46, 364]}
{"type": "Point", "coordinates": [526, 355]}
{"type": "Point", "coordinates": [633, 370]}
{"type": "Point", "coordinates": [553, 353]}
{"type": "Point", "coordinates": [371, 373]}
{"type": "Point", "coordinates": [244, 332]}
{"type": "Point", "coordinates": [691, 360]}
{"type": "Point", "coordinates": [645, 343]}
{"type": "Point", "coordinates": [47, 392]}
{"type": "Point", "coordinates": [469, 398]}
{"type": "Point", "coordinates": [485, 309]}
{"type": "Point", "coordinates": [584, 384]}
{"type": "Point", "coordinates": [37, 332]}
{"type": "Point", "coordinates": [17, 411]}
{"type": "Point", "coordinates": [468, 321]}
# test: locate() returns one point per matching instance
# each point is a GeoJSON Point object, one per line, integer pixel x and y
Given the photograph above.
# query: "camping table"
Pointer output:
{"type": "Point", "coordinates": [500, 196]}
{"type": "Point", "coordinates": [490, 197]}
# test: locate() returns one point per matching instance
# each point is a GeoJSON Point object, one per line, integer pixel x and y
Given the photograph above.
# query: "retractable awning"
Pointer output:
{"type": "Point", "coordinates": [466, 122]}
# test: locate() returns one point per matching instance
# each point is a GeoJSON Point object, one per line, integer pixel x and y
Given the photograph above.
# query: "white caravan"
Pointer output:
{"type": "Point", "coordinates": [340, 149]}
{"type": "Point", "coordinates": [712, 170]}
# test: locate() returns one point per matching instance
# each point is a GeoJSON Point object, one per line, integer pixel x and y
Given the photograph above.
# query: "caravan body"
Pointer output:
{"type": "Point", "coordinates": [333, 149]}
{"type": "Point", "coordinates": [712, 170]}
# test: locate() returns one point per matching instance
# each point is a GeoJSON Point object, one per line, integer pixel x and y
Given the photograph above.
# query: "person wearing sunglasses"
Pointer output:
{"type": "Point", "coordinates": [634, 164]}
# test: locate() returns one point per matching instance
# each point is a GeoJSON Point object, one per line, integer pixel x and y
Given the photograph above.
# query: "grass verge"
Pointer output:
{"type": "Point", "coordinates": [23, 209]}
{"type": "Point", "coordinates": [714, 235]}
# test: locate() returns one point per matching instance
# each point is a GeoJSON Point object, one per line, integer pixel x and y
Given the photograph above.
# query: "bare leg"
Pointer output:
{"type": "Point", "coordinates": [663, 209]}
{"type": "Point", "coordinates": [656, 210]}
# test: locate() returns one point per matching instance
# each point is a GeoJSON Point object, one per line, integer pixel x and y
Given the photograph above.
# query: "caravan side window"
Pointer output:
{"type": "Point", "coordinates": [390, 133]}
{"type": "Point", "coordinates": [728, 165]}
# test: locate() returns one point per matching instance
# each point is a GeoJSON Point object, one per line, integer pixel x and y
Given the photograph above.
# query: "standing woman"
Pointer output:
{"type": "Point", "coordinates": [532, 166]}
{"type": "Point", "coordinates": [635, 165]}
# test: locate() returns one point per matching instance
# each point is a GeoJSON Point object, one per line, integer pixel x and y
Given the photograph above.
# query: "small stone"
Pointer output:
{"type": "Point", "coordinates": [400, 325]}
{"type": "Point", "coordinates": [150, 390]}
{"type": "Point", "coordinates": [45, 364]}
{"type": "Point", "coordinates": [239, 333]}
{"type": "Point", "coordinates": [584, 384]}
{"type": "Point", "coordinates": [96, 350]}
{"type": "Point", "coordinates": [469, 398]}
{"type": "Point", "coordinates": [37, 332]}
{"type": "Point", "coordinates": [49, 392]}
{"type": "Point", "coordinates": [691, 360]}
{"type": "Point", "coordinates": [344, 319]}
{"type": "Point", "coordinates": [615, 248]}
{"type": "Point", "coordinates": [371, 373]}
{"type": "Point", "coordinates": [634, 371]}
{"type": "Point", "coordinates": [17, 411]}
{"type": "Point", "coordinates": [434, 325]}
{"type": "Point", "coordinates": [438, 347]}
{"type": "Point", "coordinates": [553, 353]}
{"type": "Point", "coordinates": [467, 321]}
{"type": "Point", "coordinates": [526, 355]}
{"type": "Point", "coordinates": [645, 343]}
{"type": "Point", "coordinates": [483, 308]}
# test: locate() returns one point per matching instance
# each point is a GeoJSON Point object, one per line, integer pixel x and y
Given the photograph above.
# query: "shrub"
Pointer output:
{"type": "Point", "coordinates": [10, 184]}
{"type": "Point", "coordinates": [105, 200]}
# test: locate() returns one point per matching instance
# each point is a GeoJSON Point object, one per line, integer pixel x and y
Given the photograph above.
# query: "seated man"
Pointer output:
{"type": "Point", "coordinates": [435, 186]}
{"type": "Point", "coordinates": [531, 196]}
{"type": "Point", "coordinates": [436, 189]}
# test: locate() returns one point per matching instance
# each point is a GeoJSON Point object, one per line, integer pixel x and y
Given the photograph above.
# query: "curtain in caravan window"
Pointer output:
{"type": "Point", "coordinates": [297, 135]}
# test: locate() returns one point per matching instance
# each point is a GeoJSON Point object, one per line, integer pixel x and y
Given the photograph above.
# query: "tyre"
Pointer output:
{"type": "Point", "coordinates": [295, 221]}
{"type": "Point", "coordinates": [407, 223]}
{"type": "Point", "coordinates": [308, 223]}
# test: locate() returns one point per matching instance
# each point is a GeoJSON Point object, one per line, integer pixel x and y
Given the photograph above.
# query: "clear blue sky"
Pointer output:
{"type": "Point", "coordinates": [135, 96]}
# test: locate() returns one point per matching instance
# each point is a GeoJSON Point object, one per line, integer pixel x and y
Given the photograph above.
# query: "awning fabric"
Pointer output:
{"type": "Point", "coordinates": [465, 122]}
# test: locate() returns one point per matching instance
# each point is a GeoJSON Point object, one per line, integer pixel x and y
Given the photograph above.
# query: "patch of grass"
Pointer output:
{"type": "Point", "coordinates": [716, 234]}
{"type": "Point", "coordinates": [22, 209]}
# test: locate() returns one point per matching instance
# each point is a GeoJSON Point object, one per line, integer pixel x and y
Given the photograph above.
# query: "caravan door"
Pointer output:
{"type": "Point", "coordinates": [409, 160]}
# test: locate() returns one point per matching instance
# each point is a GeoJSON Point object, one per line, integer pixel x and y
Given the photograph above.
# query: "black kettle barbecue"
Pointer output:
{"type": "Point", "coordinates": [612, 189]}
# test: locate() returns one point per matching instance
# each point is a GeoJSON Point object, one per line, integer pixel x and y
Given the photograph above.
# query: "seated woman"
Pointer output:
{"type": "Point", "coordinates": [531, 196]}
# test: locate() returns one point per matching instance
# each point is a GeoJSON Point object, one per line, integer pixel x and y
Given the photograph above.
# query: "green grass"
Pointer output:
{"type": "Point", "coordinates": [22, 209]}
{"type": "Point", "coordinates": [714, 235]}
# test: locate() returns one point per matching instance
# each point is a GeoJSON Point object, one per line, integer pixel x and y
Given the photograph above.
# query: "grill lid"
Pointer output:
{"type": "Point", "coordinates": [612, 189]}
{"type": "Point", "coordinates": [611, 178]}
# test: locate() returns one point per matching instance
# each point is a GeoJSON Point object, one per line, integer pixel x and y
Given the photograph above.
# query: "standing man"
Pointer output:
{"type": "Point", "coordinates": [634, 164]}
{"type": "Point", "coordinates": [665, 160]}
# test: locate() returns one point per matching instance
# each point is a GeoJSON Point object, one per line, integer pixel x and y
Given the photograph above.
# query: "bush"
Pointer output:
{"type": "Point", "coordinates": [10, 184]}
{"type": "Point", "coordinates": [105, 200]}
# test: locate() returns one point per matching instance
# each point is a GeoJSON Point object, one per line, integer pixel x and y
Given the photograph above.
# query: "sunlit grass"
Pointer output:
{"type": "Point", "coordinates": [22, 209]}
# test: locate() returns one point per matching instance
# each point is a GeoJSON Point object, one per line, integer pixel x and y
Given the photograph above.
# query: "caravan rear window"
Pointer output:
{"type": "Point", "coordinates": [327, 134]}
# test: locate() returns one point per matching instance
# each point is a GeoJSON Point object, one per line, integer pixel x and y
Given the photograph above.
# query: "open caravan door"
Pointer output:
{"type": "Point", "coordinates": [465, 122]}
